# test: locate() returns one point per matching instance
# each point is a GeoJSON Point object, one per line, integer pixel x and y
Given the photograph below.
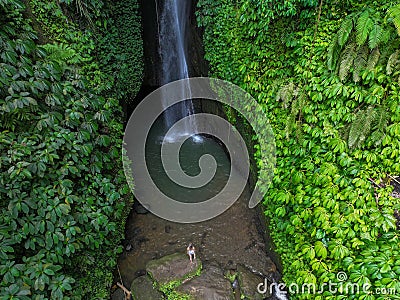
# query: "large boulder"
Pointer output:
{"type": "Point", "coordinates": [173, 267]}
{"type": "Point", "coordinates": [142, 289]}
{"type": "Point", "coordinates": [210, 285]}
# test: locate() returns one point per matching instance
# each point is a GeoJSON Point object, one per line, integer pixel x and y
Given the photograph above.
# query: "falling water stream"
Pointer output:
{"type": "Point", "coordinates": [173, 27]}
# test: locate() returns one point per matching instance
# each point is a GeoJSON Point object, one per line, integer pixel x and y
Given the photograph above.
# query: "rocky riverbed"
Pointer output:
{"type": "Point", "coordinates": [232, 256]}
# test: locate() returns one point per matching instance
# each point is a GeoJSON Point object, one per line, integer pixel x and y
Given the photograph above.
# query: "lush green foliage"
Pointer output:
{"type": "Point", "coordinates": [334, 134]}
{"type": "Point", "coordinates": [63, 193]}
{"type": "Point", "coordinates": [168, 290]}
{"type": "Point", "coordinates": [120, 49]}
{"type": "Point", "coordinates": [114, 39]}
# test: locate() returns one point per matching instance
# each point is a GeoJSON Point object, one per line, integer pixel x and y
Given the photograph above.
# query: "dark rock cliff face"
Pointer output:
{"type": "Point", "coordinates": [151, 10]}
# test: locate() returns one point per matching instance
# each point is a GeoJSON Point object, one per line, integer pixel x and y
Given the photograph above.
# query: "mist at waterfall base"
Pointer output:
{"type": "Point", "coordinates": [189, 155]}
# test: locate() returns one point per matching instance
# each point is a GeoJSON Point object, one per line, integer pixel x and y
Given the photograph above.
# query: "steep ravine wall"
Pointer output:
{"type": "Point", "coordinates": [150, 21]}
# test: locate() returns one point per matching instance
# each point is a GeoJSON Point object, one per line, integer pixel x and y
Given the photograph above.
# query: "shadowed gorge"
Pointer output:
{"type": "Point", "coordinates": [229, 246]}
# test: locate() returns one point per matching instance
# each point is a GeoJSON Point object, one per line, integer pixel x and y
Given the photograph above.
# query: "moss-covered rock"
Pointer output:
{"type": "Point", "coordinates": [211, 284]}
{"type": "Point", "coordinates": [173, 267]}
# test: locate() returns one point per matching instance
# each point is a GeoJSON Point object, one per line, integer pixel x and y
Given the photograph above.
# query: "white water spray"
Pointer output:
{"type": "Point", "coordinates": [173, 25]}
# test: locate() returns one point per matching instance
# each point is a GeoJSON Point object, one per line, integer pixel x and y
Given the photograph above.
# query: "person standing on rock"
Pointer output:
{"type": "Point", "coordinates": [191, 252]}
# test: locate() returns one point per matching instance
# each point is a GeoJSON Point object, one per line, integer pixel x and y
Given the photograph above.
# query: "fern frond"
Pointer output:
{"type": "Point", "coordinates": [394, 15]}
{"type": "Point", "coordinates": [333, 54]}
{"type": "Point", "coordinates": [299, 133]}
{"type": "Point", "coordinates": [355, 129]}
{"type": "Point", "coordinates": [377, 137]}
{"type": "Point", "coordinates": [59, 52]}
{"type": "Point", "coordinates": [373, 58]}
{"type": "Point", "coordinates": [290, 125]}
{"type": "Point", "coordinates": [7, 122]}
{"type": "Point", "coordinates": [344, 31]}
{"type": "Point", "coordinates": [364, 27]}
{"type": "Point", "coordinates": [290, 96]}
{"type": "Point", "coordinates": [298, 104]}
{"type": "Point", "coordinates": [83, 9]}
{"type": "Point", "coordinates": [286, 94]}
{"type": "Point", "coordinates": [348, 56]}
{"type": "Point", "coordinates": [382, 118]}
{"type": "Point", "coordinates": [361, 127]}
{"type": "Point", "coordinates": [370, 116]}
{"type": "Point", "coordinates": [359, 62]}
{"type": "Point", "coordinates": [10, 121]}
{"type": "Point", "coordinates": [375, 36]}
{"type": "Point", "coordinates": [392, 62]}
{"type": "Point", "coordinates": [302, 101]}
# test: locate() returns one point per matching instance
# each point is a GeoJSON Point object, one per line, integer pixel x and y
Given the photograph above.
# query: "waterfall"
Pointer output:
{"type": "Point", "coordinates": [173, 25]}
